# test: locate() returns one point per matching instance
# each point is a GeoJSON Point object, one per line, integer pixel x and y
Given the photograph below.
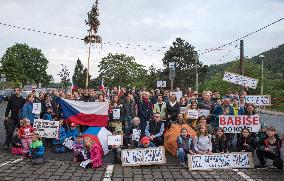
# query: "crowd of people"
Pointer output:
{"type": "Point", "coordinates": [144, 118]}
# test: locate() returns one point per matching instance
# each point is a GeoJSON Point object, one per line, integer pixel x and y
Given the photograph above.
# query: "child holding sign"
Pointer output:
{"type": "Point", "coordinates": [185, 146]}
{"type": "Point", "coordinates": [202, 141]}
{"type": "Point", "coordinates": [94, 153]}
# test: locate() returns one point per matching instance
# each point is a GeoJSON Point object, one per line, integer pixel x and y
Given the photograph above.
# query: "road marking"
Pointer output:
{"type": "Point", "coordinates": [15, 161]}
{"type": "Point", "coordinates": [242, 174]}
{"type": "Point", "coordinates": [108, 173]}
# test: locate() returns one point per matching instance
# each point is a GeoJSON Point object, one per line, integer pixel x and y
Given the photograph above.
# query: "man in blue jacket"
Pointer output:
{"type": "Point", "coordinates": [145, 109]}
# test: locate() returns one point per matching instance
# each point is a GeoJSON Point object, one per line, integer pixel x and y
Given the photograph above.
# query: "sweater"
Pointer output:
{"type": "Point", "coordinates": [203, 143]}
{"type": "Point", "coordinates": [14, 105]}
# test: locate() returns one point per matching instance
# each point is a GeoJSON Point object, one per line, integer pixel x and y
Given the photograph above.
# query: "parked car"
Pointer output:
{"type": "Point", "coordinates": [8, 93]}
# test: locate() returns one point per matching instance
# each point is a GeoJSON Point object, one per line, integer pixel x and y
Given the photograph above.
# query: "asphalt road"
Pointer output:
{"type": "Point", "coordinates": [61, 166]}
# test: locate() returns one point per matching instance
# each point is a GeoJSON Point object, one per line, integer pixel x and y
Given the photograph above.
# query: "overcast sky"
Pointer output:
{"type": "Point", "coordinates": [156, 23]}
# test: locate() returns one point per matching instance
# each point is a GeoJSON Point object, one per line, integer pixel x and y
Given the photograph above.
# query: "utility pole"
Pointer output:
{"type": "Point", "coordinates": [196, 71]}
{"type": "Point", "coordinates": [172, 74]}
{"type": "Point", "coordinates": [242, 71]}
{"type": "Point", "coordinates": [261, 90]}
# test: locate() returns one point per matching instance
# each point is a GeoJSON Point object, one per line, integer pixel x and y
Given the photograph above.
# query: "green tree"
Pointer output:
{"type": "Point", "coordinates": [182, 53]}
{"type": "Point", "coordinates": [23, 64]}
{"type": "Point", "coordinates": [120, 69]}
{"type": "Point", "coordinates": [78, 78]}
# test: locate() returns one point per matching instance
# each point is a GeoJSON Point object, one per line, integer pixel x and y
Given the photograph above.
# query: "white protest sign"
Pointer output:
{"type": "Point", "coordinates": [161, 83]}
{"type": "Point", "coordinates": [143, 156]}
{"type": "Point", "coordinates": [68, 143]}
{"type": "Point", "coordinates": [36, 108]}
{"type": "Point", "coordinates": [116, 113]}
{"type": "Point", "coordinates": [46, 128]}
{"type": "Point", "coordinates": [136, 134]}
{"type": "Point", "coordinates": [240, 80]}
{"type": "Point", "coordinates": [192, 114]}
{"type": "Point", "coordinates": [203, 112]}
{"type": "Point", "coordinates": [220, 161]}
{"type": "Point", "coordinates": [115, 140]}
{"type": "Point", "coordinates": [234, 124]}
{"type": "Point", "coordinates": [258, 100]}
{"type": "Point", "coordinates": [178, 94]}
{"type": "Point", "coordinates": [84, 163]}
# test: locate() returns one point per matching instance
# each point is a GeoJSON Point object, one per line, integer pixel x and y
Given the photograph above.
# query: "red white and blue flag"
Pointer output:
{"type": "Point", "coordinates": [85, 113]}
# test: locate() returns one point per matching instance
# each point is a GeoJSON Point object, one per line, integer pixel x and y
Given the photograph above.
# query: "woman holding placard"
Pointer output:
{"type": "Point", "coordinates": [116, 113]}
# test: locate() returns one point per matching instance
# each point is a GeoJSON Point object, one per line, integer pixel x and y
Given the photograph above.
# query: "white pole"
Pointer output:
{"type": "Point", "coordinates": [261, 91]}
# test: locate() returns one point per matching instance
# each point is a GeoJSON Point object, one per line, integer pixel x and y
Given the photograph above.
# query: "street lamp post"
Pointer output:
{"type": "Point", "coordinates": [196, 72]}
{"type": "Point", "coordinates": [261, 89]}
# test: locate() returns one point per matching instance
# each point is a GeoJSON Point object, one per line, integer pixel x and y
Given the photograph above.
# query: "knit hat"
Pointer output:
{"type": "Point", "coordinates": [145, 140]}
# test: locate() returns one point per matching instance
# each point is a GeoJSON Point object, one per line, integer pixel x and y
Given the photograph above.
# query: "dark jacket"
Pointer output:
{"type": "Point", "coordinates": [185, 143]}
{"type": "Point", "coordinates": [129, 108]}
{"type": "Point", "coordinates": [277, 145]}
{"type": "Point", "coordinates": [16, 142]}
{"type": "Point", "coordinates": [85, 98]}
{"type": "Point", "coordinates": [250, 140]}
{"type": "Point", "coordinates": [172, 111]}
{"type": "Point", "coordinates": [14, 105]}
{"type": "Point", "coordinates": [219, 145]}
{"type": "Point", "coordinates": [145, 110]}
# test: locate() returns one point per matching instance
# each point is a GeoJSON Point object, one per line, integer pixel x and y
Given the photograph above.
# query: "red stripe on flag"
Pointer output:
{"type": "Point", "coordinates": [89, 119]}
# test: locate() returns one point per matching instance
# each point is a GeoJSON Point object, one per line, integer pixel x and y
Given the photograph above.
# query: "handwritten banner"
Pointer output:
{"type": "Point", "coordinates": [203, 112]}
{"type": "Point", "coordinates": [258, 100]}
{"type": "Point", "coordinates": [115, 140]}
{"type": "Point", "coordinates": [46, 128]}
{"type": "Point", "coordinates": [178, 94]}
{"type": "Point", "coordinates": [240, 80]}
{"type": "Point", "coordinates": [193, 114]}
{"type": "Point", "coordinates": [161, 83]}
{"type": "Point", "coordinates": [220, 161]}
{"type": "Point", "coordinates": [234, 124]}
{"type": "Point", "coordinates": [36, 108]}
{"type": "Point", "coordinates": [143, 156]}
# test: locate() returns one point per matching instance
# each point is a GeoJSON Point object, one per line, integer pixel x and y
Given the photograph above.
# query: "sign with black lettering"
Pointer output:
{"type": "Point", "coordinates": [258, 100]}
{"type": "Point", "coordinates": [220, 161]}
{"type": "Point", "coordinates": [114, 140]}
{"type": "Point", "coordinates": [46, 128]}
{"type": "Point", "coordinates": [161, 83]}
{"type": "Point", "coordinates": [240, 80]}
{"type": "Point", "coordinates": [234, 124]}
{"type": "Point", "coordinates": [143, 156]}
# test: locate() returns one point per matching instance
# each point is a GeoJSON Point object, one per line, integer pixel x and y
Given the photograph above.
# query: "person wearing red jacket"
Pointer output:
{"type": "Point", "coordinates": [25, 133]}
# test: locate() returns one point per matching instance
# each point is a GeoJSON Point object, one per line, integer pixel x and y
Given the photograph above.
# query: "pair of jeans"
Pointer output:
{"type": "Point", "coordinates": [182, 155]}
{"type": "Point", "coordinates": [277, 162]}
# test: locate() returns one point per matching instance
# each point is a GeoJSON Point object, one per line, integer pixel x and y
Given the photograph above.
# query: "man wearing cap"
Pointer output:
{"type": "Point", "coordinates": [155, 130]}
{"type": "Point", "coordinates": [72, 132]}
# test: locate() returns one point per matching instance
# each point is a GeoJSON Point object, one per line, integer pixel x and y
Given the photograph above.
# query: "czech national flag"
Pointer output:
{"type": "Point", "coordinates": [99, 136]}
{"type": "Point", "coordinates": [85, 113]}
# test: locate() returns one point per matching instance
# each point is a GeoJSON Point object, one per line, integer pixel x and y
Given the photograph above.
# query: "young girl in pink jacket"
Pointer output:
{"type": "Point", "coordinates": [94, 153]}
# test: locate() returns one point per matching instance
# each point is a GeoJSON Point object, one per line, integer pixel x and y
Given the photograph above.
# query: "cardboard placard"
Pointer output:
{"type": "Point", "coordinates": [84, 163]}
{"type": "Point", "coordinates": [36, 108]}
{"type": "Point", "coordinates": [116, 113]}
{"type": "Point", "coordinates": [46, 128]}
{"type": "Point", "coordinates": [203, 112]}
{"type": "Point", "coordinates": [192, 114]}
{"type": "Point", "coordinates": [258, 100]}
{"type": "Point", "coordinates": [68, 143]}
{"type": "Point", "coordinates": [234, 124]}
{"type": "Point", "coordinates": [136, 134]}
{"type": "Point", "coordinates": [240, 80]}
{"type": "Point", "coordinates": [143, 156]}
{"type": "Point", "coordinates": [115, 140]}
{"type": "Point", "coordinates": [220, 161]}
{"type": "Point", "coordinates": [161, 83]}
{"type": "Point", "coordinates": [178, 94]}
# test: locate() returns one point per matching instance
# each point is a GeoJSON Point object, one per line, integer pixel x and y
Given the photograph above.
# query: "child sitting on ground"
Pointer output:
{"type": "Point", "coordinates": [219, 141]}
{"type": "Point", "coordinates": [58, 142]}
{"type": "Point", "coordinates": [17, 147]}
{"type": "Point", "coordinates": [146, 143]}
{"type": "Point", "coordinates": [202, 141]}
{"type": "Point", "coordinates": [246, 142]}
{"type": "Point", "coordinates": [72, 132]}
{"type": "Point", "coordinates": [270, 148]}
{"type": "Point", "coordinates": [94, 153]}
{"type": "Point", "coordinates": [25, 133]}
{"type": "Point", "coordinates": [36, 150]}
{"type": "Point", "coordinates": [78, 147]}
{"type": "Point", "coordinates": [185, 146]}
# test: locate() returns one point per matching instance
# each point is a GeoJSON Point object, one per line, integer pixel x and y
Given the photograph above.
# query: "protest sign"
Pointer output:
{"type": "Point", "coordinates": [178, 94]}
{"type": "Point", "coordinates": [203, 112]}
{"type": "Point", "coordinates": [36, 108]}
{"type": "Point", "coordinates": [68, 143]}
{"type": "Point", "coordinates": [143, 156]}
{"type": "Point", "coordinates": [161, 83]}
{"type": "Point", "coordinates": [116, 113]}
{"type": "Point", "coordinates": [193, 114]}
{"type": "Point", "coordinates": [114, 140]}
{"type": "Point", "coordinates": [240, 80]}
{"type": "Point", "coordinates": [234, 124]}
{"type": "Point", "coordinates": [85, 163]}
{"type": "Point", "coordinates": [136, 134]}
{"type": "Point", "coordinates": [220, 161]}
{"type": "Point", "coordinates": [46, 128]}
{"type": "Point", "coordinates": [258, 100]}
